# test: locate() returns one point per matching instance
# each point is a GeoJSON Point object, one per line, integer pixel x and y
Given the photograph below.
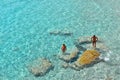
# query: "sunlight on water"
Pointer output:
{"type": "Point", "coordinates": [25, 27]}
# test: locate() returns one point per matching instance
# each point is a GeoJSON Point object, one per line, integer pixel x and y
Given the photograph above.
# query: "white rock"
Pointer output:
{"type": "Point", "coordinates": [40, 67]}
{"type": "Point", "coordinates": [69, 57]}
{"type": "Point", "coordinates": [66, 57]}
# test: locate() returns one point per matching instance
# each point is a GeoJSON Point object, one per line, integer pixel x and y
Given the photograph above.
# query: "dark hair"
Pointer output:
{"type": "Point", "coordinates": [63, 44]}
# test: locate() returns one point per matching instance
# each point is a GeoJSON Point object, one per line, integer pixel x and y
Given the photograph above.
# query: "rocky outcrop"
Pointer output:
{"type": "Point", "coordinates": [87, 57]}
{"type": "Point", "coordinates": [40, 67]}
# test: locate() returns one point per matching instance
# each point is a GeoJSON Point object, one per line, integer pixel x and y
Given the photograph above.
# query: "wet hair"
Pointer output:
{"type": "Point", "coordinates": [63, 44]}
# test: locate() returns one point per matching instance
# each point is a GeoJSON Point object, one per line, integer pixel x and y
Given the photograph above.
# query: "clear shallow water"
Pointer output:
{"type": "Point", "coordinates": [24, 36]}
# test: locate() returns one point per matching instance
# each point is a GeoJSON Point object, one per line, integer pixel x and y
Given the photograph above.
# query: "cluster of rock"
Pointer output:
{"type": "Point", "coordinates": [40, 67]}
{"type": "Point", "coordinates": [74, 59]}
{"type": "Point", "coordinates": [83, 45]}
{"type": "Point", "coordinates": [80, 62]}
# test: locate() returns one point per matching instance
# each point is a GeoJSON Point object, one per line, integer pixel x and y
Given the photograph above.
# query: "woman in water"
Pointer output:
{"type": "Point", "coordinates": [63, 48]}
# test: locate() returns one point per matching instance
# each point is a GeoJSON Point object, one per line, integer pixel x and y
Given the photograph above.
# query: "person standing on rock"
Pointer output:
{"type": "Point", "coordinates": [63, 48]}
{"type": "Point", "coordinates": [94, 39]}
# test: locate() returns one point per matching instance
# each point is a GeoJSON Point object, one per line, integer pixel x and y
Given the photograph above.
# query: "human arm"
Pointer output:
{"type": "Point", "coordinates": [96, 38]}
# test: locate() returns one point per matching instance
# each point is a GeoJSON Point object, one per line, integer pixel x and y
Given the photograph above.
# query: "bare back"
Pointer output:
{"type": "Point", "coordinates": [94, 38]}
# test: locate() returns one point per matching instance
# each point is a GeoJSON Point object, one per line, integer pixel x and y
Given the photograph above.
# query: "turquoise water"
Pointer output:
{"type": "Point", "coordinates": [24, 36]}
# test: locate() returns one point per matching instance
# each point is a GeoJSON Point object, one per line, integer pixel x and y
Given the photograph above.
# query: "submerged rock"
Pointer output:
{"type": "Point", "coordinates": [85, 40]}
{"type": "Point", "coordinates": [40, 67]}
{"type": "Point", "coordinates": [69, 57]}
{"type": "Point", "coordinates": [65, 57]}
{"type": "Point", "coordinates": [65, 65]}
{"type": "Point", "coordinates": [75, 67]}
{"type": "Point", "coordinates": [55, 32]}
{"type": "Point", "coordinates": [101, 47]}
{"type": "Point", "coordinates": [61, 32]}
{"type": "Point", "coordinates": [74, 54]}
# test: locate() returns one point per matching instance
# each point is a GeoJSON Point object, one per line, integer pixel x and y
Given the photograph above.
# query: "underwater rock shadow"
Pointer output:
{"type": "Point", "coordinates": [84, 47]}
{"type": "Point", "coordinates": [79, 47]}
{"type": "Point", "coordinates": [61, 33]}
{"type": "Point", "coordinates": [75, 58]}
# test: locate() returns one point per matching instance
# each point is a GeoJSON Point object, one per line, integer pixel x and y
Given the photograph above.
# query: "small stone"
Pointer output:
{"type": "Point", "coordinates": [77, 64]}
{"type": "Point", "coordinates": [75, 67]}
{"type": "Point", "coordinates": [65, 65]}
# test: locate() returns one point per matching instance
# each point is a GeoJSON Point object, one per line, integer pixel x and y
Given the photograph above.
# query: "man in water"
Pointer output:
{"type": "Point", "coordinates": [94, 39]}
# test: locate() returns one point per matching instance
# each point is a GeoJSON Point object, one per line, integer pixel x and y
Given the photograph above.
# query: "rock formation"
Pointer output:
{"type": "Point", "coordinates": [40, 67]}
{"type": "Point", "coordinates": [89, 57]}
{"type": "Point", "coordinates": [69, 57]}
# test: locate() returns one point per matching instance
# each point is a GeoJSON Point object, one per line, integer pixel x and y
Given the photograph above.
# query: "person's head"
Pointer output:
{"type": "Point", "coordinates": [63, 44]}
{"type": "Point", "coordinates": [93, 35]}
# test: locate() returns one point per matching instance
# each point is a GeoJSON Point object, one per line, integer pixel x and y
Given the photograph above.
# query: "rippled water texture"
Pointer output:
{"type": "Point", "coordinates": [24, 36]}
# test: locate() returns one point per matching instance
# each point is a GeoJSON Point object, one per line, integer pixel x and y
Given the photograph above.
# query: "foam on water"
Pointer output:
{"type": "Point", "coordinates": [24, 36]}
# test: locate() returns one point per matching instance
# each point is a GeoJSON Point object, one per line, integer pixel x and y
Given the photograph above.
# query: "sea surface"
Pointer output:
{"type": "Point", "coordinates": [24, 36]}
